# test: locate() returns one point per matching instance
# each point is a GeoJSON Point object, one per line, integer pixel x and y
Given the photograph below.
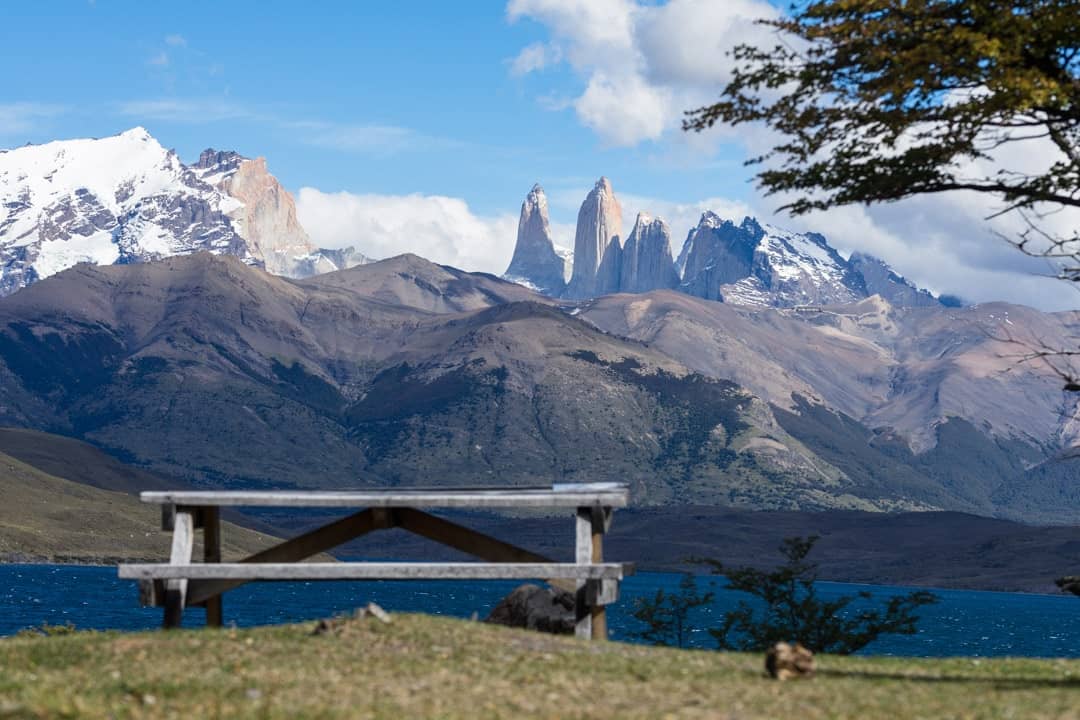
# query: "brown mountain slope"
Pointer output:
{"type": "Point", "coordinates": [908, 369]}
{"type": "Point", "coordinates": [207, 370]}
{"type": "Point", "coordinates": [414, 282]}
{"type": "Point", "coordinates": [78, 462]}
{"type": "Point", "coordinates": [44, 518]}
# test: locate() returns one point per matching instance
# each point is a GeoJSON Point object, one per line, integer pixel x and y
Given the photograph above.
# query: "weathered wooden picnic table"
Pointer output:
{"type": "Point", "coordinates": [183, 583]}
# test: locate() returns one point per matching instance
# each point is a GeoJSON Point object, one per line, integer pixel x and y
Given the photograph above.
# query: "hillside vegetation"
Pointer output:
{"type": "Point", "coordinates": [44, 518]}
{"type": "Point", "coordinates": [421, 666]}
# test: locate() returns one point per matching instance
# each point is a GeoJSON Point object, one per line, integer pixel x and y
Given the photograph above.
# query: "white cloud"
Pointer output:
{"type": "Point", "coordinates": [371, 139]}
{"type": "Point", "coordinates": [591, 33]}
{"type": "Point", "coordinates": [624, 109]}
{"type": "Point", "coordinates": [535, 57]}
{"type": "Point", "coordinates": [685, 43]}
{"type": "Point", "coordinates": [374, 139]}
{"type": "Point", "coordinates": [22, 117]}
{"type": "Point", "coordinates": [184, 110]}
{"type": "Point", "coordinates": [176, 40]}
{"type": "Point", "coordinates": [442, 229]}
{"type": "Point", "coordinates": [642, 65]}
{"type": "Point", "coordinates": [160, 59]}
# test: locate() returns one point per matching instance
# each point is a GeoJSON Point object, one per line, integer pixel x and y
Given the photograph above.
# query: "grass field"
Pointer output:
{"type": "Point", "coordinates": [420, 666]}
{"type": "Point", "coordinates": [44, 518]}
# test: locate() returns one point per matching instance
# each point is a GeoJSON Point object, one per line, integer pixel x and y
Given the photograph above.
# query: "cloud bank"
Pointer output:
{"type": "Point", "coordinates": [442, 229]}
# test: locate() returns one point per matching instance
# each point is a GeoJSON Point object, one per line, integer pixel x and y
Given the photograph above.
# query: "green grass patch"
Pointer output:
{"type": "Point", "coordinates": [422, 666]}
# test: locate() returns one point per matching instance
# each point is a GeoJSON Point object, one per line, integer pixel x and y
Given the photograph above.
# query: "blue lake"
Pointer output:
{"type": "Point", "coordinates": [962, 623]}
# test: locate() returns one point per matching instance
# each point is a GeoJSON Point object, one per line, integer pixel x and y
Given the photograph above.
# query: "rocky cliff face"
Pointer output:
{"type": "Point", "coordinates": [126, 199]}
{"type": "Point", "coordinates": [879, 279]}
{"type": "Point", "coordinates": [762, 265]}
{"type": "Point", "coordinates": [535, 260]}
{"type": "Point", "coordinates": [599, 228]}
{"type": "Point", "coordinates": [745, 263]}
{"type": "Point", "coordinates": [646, 257]}
{"type": "Point", "coordinates": [266, 218]}
{"type": "Point", "coordinates": [717, 252]}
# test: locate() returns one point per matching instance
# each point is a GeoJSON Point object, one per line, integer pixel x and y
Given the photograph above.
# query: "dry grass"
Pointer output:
{"type": "Point", "coordinates": [421, 666]}
{"type": "Point", "coordinates": [50, 519]}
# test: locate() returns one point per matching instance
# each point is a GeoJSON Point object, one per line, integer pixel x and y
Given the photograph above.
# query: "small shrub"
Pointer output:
{"type": "Point", "coordinates": [794, 612]}
{"type": "Point", "coordinates": [666, 616]}
{"type": "Point", "coordinates": [47, 630]}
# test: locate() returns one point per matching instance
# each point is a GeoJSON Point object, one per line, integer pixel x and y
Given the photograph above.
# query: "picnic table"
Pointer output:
{"type": "Point", "coordinates": [182, 582]}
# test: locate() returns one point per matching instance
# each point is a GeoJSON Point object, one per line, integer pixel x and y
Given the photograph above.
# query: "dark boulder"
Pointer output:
{"type": "Point", "coordinates": [536, 608]}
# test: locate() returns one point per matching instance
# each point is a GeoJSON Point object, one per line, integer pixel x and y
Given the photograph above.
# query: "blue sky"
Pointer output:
{"type": "Point", "coordinates": [364, 97]}
{"type": "Point", "coordinates": [421, 126]}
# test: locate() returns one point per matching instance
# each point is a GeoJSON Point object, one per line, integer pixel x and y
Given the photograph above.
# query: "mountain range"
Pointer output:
{"type": "Point", "coordinates": [126, 199]}
{"type": "Point", "coordinates": [401, 371]}
{"type": "Point", "coordinates": [746, 264]}
{"type": "Point", "coordinates": [758, 369]}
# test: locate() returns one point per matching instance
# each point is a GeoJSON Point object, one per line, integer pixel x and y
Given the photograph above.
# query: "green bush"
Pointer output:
{"type": "Point", "coordinates": [794, 612]}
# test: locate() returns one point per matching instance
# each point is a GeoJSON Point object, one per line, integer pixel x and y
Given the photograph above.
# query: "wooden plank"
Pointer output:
{"type": "Point", "coordinates": [211, 517]}
{"type": "Point", "coordinates": [373, 570]}
{"type": "Point", "coordinates": [603, 592]}
{"type": "Point", "coordinates": [183, 541]}
{"type": "Point", "coordinates": [294, 550]}
{"type": "Point", "coordinates": [583, 554]}
{"type": "Point", "coordinates": [618, 497]}
{"type": "Point", "coordinates": [470, 541]}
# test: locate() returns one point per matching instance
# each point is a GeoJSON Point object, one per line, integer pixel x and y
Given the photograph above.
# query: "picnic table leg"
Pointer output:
{"type": "Point", "coordinates": [211, 519]}
{"type": "Point", "coordinates": [583, 555]}
{"type": "Point", "coordinates": [596, 609]}
{"type": "Point", "coordinates": [182, 542]}
{"type": "Point", "coordinates": [592, 596]}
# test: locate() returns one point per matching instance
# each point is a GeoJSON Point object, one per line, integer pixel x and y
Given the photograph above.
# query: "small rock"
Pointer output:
{"type": "Point", "coordinates": [536, 608]}
{"type": "Point", "coordinates": [377, 612]}
{"type": "Point", "coordinates": [785, 661]}
{"type": "Point", "coordinates": [1070, 584]}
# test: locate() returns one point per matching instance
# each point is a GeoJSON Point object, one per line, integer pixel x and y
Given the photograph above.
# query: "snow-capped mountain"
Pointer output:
{"type": "Point", "coordinates": [763, 265]}
{"type": "Point", "coordinates": [126, 199]}
{"type": "Point", "coordinates": [745, 264]}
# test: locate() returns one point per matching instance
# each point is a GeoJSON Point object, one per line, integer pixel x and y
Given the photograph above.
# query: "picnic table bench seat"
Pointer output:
{"type": "Point", "coordinates": [182, 583]}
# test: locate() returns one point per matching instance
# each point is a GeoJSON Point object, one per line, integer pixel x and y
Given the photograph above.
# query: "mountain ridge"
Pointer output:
{"type": "Point", "coordinates": [126, 199]}
{"type": "Point", "coordinates": [746, 264]}
{"type": "Point", "coordinates": [214, 372]}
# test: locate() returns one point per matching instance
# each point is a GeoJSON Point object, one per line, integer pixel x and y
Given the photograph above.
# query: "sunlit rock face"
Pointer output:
{"type": "Point", "coordinates": [646, 257]}
{"type": "Point", "coordinates": [597, 266]}
{"type": "Point", "coordinates": [536, 262]}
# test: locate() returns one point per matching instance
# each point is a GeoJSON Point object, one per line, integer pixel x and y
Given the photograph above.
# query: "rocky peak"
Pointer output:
{"type": "Point", "coordinates": [213, 162]}
{"type": "Point", "coordinates": [267, 218]}
{"type": "Point", "coordinates": [599, 228]}
{"type": "Point", "coordinates": [535, 261]}
{"type": "Point", "coordinates": [716, 253]}
{"type": "Point", "coordinates": [879, 279]}
{"type": "Point", "coordinates": [646, 257]}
